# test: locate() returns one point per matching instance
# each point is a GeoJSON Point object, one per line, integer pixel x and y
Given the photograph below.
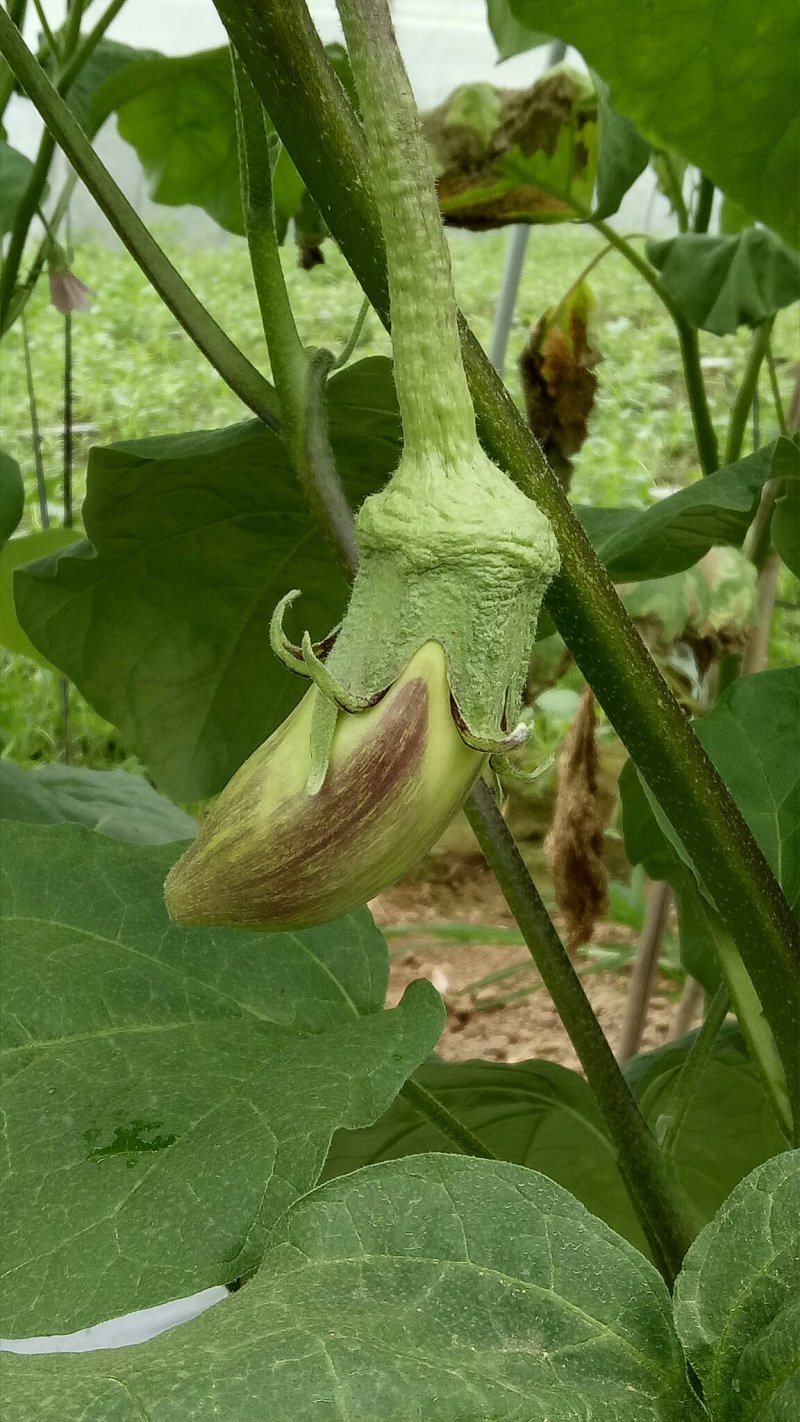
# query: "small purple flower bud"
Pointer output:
{"type": "Point", "coordinates": [68, 292]}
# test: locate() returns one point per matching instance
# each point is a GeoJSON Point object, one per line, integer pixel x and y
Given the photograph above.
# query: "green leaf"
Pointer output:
{"type": "Point", "coordinates": [12, 496]}
{"type": "Point", "coordinates": [163, 624]}
{"type": "Point", "coordinates": [168, 1092]}
{"type": "Point", "coordinates": [112, 802]}
{"type": "Point", "coordinates": [178, 114]}
{"type": "Point", "coordinates": [753, 737]}
{"type": "Point", "coordinates": [15, 172]}
{"type": "Point", "coordinates": [433, 1287]}
{"type": "Point", "coordinates": [509, 35]}
{"type": "Point", "coordinates": [86, 92]}
{"type": "Point", "coordinates": [623, 154]}
{"type": "Point", "coordinates": [737, 1299]}
{"type": "Point", "coordinates": [729, 1126]}
{"type": "Point", "coordinates": [15, 554]}
{"type": "Point", "coordinates": [537, 1114]}
{"type": "Point", "coordinates": [786, 527]}
{"type": "Point", "coordinates": [721, 283]}
{"type": "Point", "coordinates": [674, 533]}
{"type": "Point", "coordinates": [716, 83]}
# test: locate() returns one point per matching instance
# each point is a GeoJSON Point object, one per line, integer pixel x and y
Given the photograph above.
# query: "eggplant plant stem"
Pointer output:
{"type": "Point", "coordinates": [666, 1217]}
{"type": "Point", "coordinates": [743, 404]}
{"type": "Point", "coordinates": [299, 382]}
{"type": "Point", "coordinates": [431, 1109]}
{"type": "Point", "coordinates": [226, 358]}
{"type": "Point", "coordinates": [285, 58]}
{"type": "Point", "coordinates": [703, 204]}
{"type": "Point", "coordinates": [36, 437]}
{"type": "Point", "coordinates": [645, 969]}
{"type": "Point", "coordinates": [704, 432]}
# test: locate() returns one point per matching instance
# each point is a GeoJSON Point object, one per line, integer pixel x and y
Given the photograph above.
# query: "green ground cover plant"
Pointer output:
{"type": "Point", "coordinates": [188, 1102]}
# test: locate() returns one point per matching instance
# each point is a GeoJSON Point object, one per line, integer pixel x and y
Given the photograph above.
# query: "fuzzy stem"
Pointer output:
{"type": "Point", "coordinates": [675, 192]}
{"type": "Point", "coordinates": [285, 59]}
{"type": "Point", "coordinates": [432, 392]}
{"type": "Point", "coordinates": [694, 1064]}
{"type": "Point", "coordinates": [665, 1216]}
{"type": "Point", "coordinates": [703, 204]}
{"type": "Point", "coordinates": [645, 970]}
{"type": "Point", "coordinates": [749, 1014]}
{"type": "Point", "coordinates": [242, 377]}
{"type": "Point", "coordinates": [743, 403]}
{"type": "Point", "coordinates": [780, 413]}
{"type": "Point", "coordinates": [431, 1109]}
{"type": "Point", "coordinates": [704, 432]}
{"type": "Point", "coordinates": [36, 438]}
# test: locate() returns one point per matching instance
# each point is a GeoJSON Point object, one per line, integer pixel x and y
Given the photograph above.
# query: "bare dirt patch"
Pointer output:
{"type": "Point", "coordinates": [458, 888]}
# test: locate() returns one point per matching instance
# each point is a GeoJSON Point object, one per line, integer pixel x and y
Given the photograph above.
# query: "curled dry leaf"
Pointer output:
{"type": "Point", "coordinates": [558, 380]}
{"type": "Point", "coordinates": [574, 844]}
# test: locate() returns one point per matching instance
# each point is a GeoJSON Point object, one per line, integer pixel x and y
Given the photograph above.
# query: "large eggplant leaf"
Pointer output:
{"type": "Point", "coordinates": [786, 526]}
{"type": "Point", "coordinates": [162, 620]}
{"type": "Point", "coordinates": [432, 1287]}
{"type": "Point", "coordinates": [534, 1113]}
{"type": "Point", "coordinates": [112, 802]}
{"type": "Point", "coordinates": [12, 496]}
{"type": "Point", "coordinates": [737, 1299]}
{"type": "Point", "coordinates": [15, 173]}
{"type": "Point", "coordinates": [543, 1116]}
{"type": "Point", "coordinates": [676, 532]}
{"type": "Point", "coordinates": [510, 37]}
{"type": "Point", "coordinates": [178, 113]}
{"type": "Point", "coordinates": [622, 157]}
{"type": "Point", "coordinates": [108, 60]}
{"type": "Point", "coordinates": [715, 80]}
{"type": "Point", "coordinates": [721, 283]}
{"type": "Point", "coordinates": [729, 1126]}
{"type": "Point", "coordinates": [168, 1092]}
{"type": "Point", "coordinates": [14, 554]}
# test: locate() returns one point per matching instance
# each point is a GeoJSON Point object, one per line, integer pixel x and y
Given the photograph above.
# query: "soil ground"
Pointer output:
{"type": "Point", "coordinates": [457, 888]}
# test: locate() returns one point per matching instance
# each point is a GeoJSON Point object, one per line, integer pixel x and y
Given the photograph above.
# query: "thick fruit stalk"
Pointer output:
{"type": "Point", "coordinates": [272, 855]}
{"type": "Point", "coordinates": [424, 679]}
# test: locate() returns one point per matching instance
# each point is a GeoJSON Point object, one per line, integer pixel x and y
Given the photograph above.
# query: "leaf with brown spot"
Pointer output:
{"type": "Point", "coordinates": [574, 844]}
{"type": "Point", "coordinates": [558, 380]}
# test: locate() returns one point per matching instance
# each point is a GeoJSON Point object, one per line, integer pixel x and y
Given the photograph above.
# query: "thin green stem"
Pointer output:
{"type": "Point", "coordinates": [353, 339]}
{"type": "Point", "coordinates": [85, 48]}
{"type": "Point", "coordinates": [777, 399]}
{"type": "Point", "coordinates": [432, 392]}
{"type": "Point", "coordinates": [26, 208]}
{"type": "Point", "coordinates": [234, 367]}
{"type": "Point", "coordinates": [743, 403]}
{"type": "Point", "coordinates": [287, 355]}
{"type": "Point", "coordinates": [694, 1064]}
{"type": "Point", "coordinates": [68, 441]}
{"type": "Point", "coordinates": [665, 1215]}
{"type": "Point", "coordinates": [286, 59]}
{"type": "Point", "coordinates": [703, 204]}
{"type": "Point", "coordinates": [46, 30]}
{"type": "Point", "coordinates": [704, 432]}
{"type": "Point", "coordinates": [754, 1028]}
{"type": "Point", "coordinates": [675, 191]}
{"type": "Point", "coordinates": [431, 1109]}
{"type": "Point", "coordinates": [16, 14]}
{"type": "Point", "coordinates": [51, 226]}
{"type": "Point", "coordinates": [36, 437]}
{"type": "Point", "coordinates": [300, 380]}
